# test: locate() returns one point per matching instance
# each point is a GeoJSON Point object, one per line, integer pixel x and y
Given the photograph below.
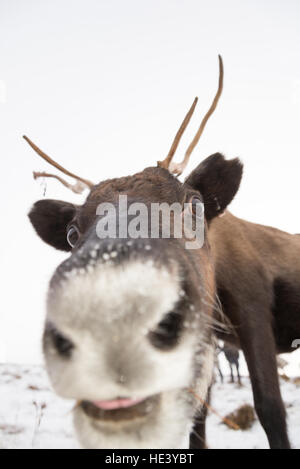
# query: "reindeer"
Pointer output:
{"type": "Point", "coordinates": [232, 355]}
{"type": "Point", "coordinates": [130, 322]}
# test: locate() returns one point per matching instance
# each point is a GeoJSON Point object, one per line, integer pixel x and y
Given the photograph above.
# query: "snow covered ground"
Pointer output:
{"type": "Point", "coordinates": [31, 416]}
{"type": "Point", "coordinates": [227, 397]}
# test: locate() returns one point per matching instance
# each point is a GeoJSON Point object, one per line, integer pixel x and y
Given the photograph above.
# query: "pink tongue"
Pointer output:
{"type": "Point", "coordinates": [116, 404]}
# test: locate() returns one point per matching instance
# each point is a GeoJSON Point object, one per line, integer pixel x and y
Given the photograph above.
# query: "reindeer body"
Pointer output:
{"type": "Point", "coordinates": [258, 284]}
{"type": "Point", "coordinates": [232, 355]}
{"type": "Point", "coordinates": [258, 271]}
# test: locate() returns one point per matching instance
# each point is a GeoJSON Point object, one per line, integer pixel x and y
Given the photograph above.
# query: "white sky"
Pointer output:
{"type": "Point", "coordinates": [102, 86]}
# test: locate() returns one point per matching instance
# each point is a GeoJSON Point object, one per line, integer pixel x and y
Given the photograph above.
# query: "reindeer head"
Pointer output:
{"type": "Point", "coordinates": [129, 321]}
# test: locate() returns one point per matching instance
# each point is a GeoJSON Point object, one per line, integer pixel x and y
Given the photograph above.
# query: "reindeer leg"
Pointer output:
{"type": "Point", "coordinates": [258, 345]}
{"type": "Point", "coordinates": [238, 373]}
{"type": "Point", "coordinates": [198, 434]}
{"type": "Point", "coordinates": [231, 373]}
{"type": "Point", "coordinates": [220, 374]}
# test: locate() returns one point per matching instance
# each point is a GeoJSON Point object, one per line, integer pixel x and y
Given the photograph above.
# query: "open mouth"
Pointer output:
{"type": "Point", "coordinates": [119, 409]}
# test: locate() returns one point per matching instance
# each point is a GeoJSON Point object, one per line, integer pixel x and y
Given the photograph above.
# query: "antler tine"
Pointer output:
{"type": "Point", "coordinates": [166, 162]}
{"type": "Point", "coordinates": [178, 168]}
{"type": "Point", "coordinates": [49, 160]}
{"type": "Point", "coordinates": [78, 187]}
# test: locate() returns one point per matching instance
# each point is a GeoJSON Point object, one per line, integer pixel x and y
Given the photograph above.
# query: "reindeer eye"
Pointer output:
{"type": "Point", "coordinates": [73, 235]}
{"type": "Point", "coordinates": [196, 206]}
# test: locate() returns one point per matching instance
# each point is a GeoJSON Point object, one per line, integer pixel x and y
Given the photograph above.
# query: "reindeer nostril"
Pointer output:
{"type": "Point", "coordinates": [167, 333]}
{"type": "Point", "coordinates": [62, 344]}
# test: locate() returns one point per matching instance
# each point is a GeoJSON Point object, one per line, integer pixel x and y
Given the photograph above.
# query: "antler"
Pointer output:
{"type": "Point", "coordinates": [166, 162]}
{"type": "Point", "coordinates": [178, 168]}
{"type": "Point", "coordinates": [80, 184]}
{"type": "Point", "coordinates": [78, 187]}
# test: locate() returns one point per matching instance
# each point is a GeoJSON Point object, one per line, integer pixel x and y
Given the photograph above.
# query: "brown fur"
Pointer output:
{"type": "Point", "coordinates": [257, 272]}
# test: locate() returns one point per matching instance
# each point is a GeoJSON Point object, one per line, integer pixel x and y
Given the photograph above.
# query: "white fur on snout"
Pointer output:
{"type": "Point", "coordinates": [107, 313]}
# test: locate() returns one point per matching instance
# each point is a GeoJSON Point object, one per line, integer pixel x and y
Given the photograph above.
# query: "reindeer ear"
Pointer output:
{"type": "Point", "coordinates": [218, 181]}
{"type": "Point", "coordinates": [50, 219]}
